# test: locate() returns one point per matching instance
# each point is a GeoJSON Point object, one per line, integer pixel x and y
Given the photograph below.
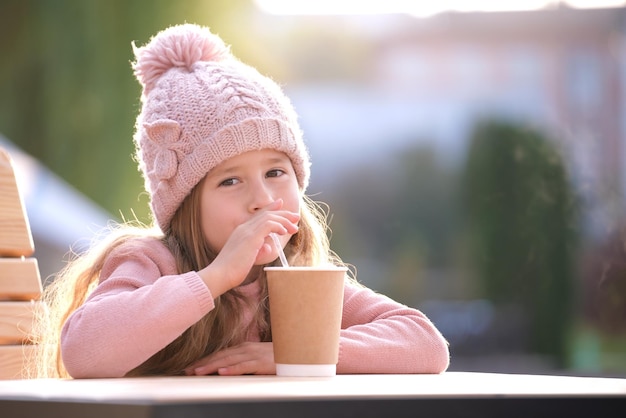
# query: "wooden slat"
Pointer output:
{"type": "Point", "coordinates": [15, 236]}
{"type": "Point", "coordinates": [16, 321]}
{"type": "Point", "coordinates": [14, 360]}
{"type": "Point", "coordinates": [19, 279]}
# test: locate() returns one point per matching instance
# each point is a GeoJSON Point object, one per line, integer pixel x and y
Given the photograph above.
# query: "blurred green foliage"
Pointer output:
{"type": "Point", "coordinates": [523, 221]}
{"type": "Point", "coordinates": [67, 93]}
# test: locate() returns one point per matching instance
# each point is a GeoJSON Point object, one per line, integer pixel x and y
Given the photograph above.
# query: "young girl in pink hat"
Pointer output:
{"type": "Point", "coordinates": [225, 166]}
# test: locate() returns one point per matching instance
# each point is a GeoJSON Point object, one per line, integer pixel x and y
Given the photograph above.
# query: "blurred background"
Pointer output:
{"type": "Point", "coordinates": [472, 154]}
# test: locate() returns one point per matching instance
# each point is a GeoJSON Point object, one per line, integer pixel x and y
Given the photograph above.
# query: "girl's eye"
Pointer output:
{"type": "Point", "coordinates": [275, 173]}
{"type": "Point", "coordinates": [229, 182]}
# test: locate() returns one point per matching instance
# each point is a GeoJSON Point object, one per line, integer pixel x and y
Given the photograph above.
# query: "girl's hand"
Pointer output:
{"type": "Point", "coordinates": [247, 358]}
{"type": "Point", "coordinates": [249, 244]}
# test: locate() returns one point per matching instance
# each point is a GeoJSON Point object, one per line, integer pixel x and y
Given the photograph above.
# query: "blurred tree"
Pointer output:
{"type": "Point", "coordinates": [604, 281]}
{"type": "Point", "coordinates": [67, 92]}
{"type": "Point", "coordinates": [523, 225]}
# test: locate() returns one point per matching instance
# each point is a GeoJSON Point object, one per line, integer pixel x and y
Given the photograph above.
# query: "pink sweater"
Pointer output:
{"type": "Point", "coordinates": [142, 304]}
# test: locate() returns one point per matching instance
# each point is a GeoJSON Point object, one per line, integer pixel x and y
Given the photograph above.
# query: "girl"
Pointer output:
{"type": "Point", "coordinates": [225, 166]}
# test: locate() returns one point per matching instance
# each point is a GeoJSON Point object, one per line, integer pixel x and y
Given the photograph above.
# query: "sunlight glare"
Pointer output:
{"type": "Point", "coordinates": [416, 8]}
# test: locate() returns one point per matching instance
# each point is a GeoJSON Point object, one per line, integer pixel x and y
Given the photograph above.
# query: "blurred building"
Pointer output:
{"type": "Point", "coordinates": [430, 79]}
{"type": "Point", "coordinates": [563, 70]}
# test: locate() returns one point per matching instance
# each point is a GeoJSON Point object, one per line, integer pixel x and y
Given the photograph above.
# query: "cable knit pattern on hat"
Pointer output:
{"type": "Point", "coordinates": [201, 106]}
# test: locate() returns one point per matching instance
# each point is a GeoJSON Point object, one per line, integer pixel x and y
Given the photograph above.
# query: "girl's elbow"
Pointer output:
{"type": "Point", "coordinates": [437, 359]}
{"type": "Point", "coordinates": [442, 356]}
{"type": "Point", "coordinates": [82, 363]}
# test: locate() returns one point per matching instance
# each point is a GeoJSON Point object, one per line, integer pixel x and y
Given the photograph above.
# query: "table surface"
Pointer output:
{"type": "Point", "coordinates": [211, 388]}
{"type": "Point", "coordinates": [199, 395]}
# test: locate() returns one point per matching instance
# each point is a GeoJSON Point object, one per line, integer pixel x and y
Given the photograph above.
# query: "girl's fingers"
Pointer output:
{"type": "Point", "coordinates": [247, 358]}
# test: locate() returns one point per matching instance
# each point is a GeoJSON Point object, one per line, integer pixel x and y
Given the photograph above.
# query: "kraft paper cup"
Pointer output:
{"type": "Point", "coordinates": [305, 313]}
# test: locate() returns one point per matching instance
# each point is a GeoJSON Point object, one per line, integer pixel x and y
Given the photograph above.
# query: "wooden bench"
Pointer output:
{"type": "Point", "coordinates": [20, 282]}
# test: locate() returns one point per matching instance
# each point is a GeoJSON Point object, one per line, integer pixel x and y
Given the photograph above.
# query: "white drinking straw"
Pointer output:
{"type": "Point", "coordinates": [279, 247]}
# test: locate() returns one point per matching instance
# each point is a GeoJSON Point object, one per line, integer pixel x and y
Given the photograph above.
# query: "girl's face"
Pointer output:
{"type": "Point", "coordinates": [237, 188]}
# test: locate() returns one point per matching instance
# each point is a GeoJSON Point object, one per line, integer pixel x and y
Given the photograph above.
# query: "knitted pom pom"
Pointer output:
{"type": "Point", "coordinates": [177, 46]}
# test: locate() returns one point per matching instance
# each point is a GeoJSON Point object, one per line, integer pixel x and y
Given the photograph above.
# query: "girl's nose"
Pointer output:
{"type": "Point", "coordinates": [261, 196]}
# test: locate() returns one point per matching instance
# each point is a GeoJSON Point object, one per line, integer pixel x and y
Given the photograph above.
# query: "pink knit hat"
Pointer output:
{"type": "Point", "coordinates": [201, 106]}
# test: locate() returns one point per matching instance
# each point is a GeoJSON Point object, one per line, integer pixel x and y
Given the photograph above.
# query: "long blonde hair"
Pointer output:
{"type": "Point", "coordinates": [218, 329]}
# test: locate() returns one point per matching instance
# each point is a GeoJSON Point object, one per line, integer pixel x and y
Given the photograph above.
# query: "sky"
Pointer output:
{"type": "Point", "coordinates": [418, 8]}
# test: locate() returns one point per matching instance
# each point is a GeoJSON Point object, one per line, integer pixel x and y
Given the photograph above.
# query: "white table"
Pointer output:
{"type": "Point", "coordinates": [449, 394]}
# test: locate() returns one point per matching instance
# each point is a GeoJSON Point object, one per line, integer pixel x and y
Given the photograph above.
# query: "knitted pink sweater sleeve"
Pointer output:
{"type": "Point", "coordinates": [380, 335]}
{"type": "Point", "coordinates": [139, 307]}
